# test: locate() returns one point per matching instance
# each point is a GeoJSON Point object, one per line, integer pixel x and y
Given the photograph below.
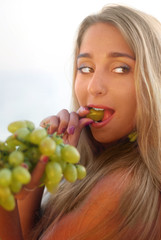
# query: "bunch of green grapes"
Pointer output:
{"type": "Point", "coordinates": [21, 151]}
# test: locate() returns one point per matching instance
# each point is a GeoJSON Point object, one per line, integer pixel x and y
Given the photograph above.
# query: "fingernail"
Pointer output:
{"type": "Point", "coordinates": [25, 165]}
{"type": "Point", "coordinates": [48, 130]}
{"type": "Point", "coordinates": [81, 109]}
{"type": "Point", "coordinates": [84, 108]}
{"type": "Point", "coordinates": [89, 122]}
{"type": "Point", "coordinates": [42, 123]}
{"type": "Point", "coordinates": [62, 130]}
{"type": "Point", "coordinates": [44, 159]}
{"type": "Point", "coordinates": [71, 130]}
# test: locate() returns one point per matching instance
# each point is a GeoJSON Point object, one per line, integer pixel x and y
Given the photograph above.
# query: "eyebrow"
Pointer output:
{"type": "Point", "coordinates": [111, 54]}
{"type": "Point", "coordinates": [84, 55]}
{"type": "Point", "coordinates": [120, 54]}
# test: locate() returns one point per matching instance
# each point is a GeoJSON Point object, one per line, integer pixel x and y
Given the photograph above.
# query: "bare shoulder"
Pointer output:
{"type": "Point", "coordinates": [113, 183]}
{"type": "Point", "coordinates": [108, 191]}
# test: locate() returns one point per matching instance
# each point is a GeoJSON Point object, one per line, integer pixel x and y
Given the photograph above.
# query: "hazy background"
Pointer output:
{"type": "Point", "coordinates": [36, 44]}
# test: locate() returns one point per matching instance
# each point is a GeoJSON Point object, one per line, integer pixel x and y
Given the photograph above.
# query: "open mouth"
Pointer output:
{"type": "Point", "coordinates": [100, 114]}
{"type": "Point", "coordinates": [96, 114]}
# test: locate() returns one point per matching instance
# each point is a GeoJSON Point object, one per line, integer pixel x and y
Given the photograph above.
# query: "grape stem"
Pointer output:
{"type": "Point", "coordinates": [47, 126]}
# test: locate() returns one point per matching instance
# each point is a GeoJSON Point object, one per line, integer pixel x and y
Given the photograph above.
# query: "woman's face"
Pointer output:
{"type": "Point", "coordinates": [105, 80]}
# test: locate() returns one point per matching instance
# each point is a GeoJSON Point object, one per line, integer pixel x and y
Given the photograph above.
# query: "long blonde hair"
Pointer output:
{"type": "Point", "coordinates": [140, 206]}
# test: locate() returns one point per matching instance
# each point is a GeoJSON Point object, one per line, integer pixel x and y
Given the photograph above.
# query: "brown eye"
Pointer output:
{"type": "Point", "coordinates": [122, 69]}
{"type": "Point", "coordinates": [85, 69]}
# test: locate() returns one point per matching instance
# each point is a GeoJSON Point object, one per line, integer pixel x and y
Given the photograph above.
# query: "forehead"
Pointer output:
{"type": "Point", "coordinates": [104, 35]}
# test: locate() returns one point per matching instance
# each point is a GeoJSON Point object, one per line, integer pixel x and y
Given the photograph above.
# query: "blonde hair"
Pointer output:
{"type": "Point", "coordinates": [140, 206]}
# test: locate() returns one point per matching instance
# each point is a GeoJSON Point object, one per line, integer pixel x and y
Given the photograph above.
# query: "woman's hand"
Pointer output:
{"type": "Point", "coordinates": [36, 178]}
{"type": "Point", "coordinates": [22, 218]}
{"type": "Point", "coordinates": [68, 124]}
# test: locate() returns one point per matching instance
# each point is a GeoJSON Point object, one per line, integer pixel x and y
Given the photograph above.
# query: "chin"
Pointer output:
{"type": "Point", "coordinates": [106, 140]}
{"type": "Point", "coordinates": [109, 140]}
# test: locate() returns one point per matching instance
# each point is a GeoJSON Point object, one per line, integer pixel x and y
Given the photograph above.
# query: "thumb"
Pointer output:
{"type": "Point", "coordinates": [84, 122]}
{"type": "Point", "coordinates": [38, 172]}
{"type": "Point", "coordinates": [36, 177]}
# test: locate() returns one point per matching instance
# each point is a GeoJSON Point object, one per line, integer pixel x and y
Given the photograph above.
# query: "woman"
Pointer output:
{"type": "Point", "coordinates": [117, 71]}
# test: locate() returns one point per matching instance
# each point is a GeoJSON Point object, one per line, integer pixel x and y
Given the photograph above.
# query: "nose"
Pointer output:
{"type": "Point", "coordinates": [97, 85]}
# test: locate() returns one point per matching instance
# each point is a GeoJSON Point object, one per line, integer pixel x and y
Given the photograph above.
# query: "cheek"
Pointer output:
{"type": "Point", "coordinates": [129, 110]}
{"type": "Point", "coordinates": [128, 96]}
{"type": "Point", "coordinates": [125, 106]}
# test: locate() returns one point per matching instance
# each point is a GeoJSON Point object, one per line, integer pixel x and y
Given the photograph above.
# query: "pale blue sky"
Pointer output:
{"type": "Point", "coordinates": [36, 43]}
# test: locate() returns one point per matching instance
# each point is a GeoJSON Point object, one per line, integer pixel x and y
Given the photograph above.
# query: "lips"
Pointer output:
{"type": "Point", "coordinates": [108, 114]}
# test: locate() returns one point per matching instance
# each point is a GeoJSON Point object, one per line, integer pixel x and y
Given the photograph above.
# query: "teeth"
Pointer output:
{"type": "Point", "coordinates": [98, 109]}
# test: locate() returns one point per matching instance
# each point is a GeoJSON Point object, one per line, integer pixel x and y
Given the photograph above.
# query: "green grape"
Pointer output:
{"type": "Point", "coordinates": [21, 146]}
{"type": "Point", "coordinates": [96, 115]}
{"type": "Point", "coordinates": [21, 174]}
{"type": "Point", "coordinates": [30, 125]}
{"type": "Point", "coordinates": [10, 139]}
{"type": "Point", "coordinates": [47, 146]}
{"type": "Point", "coordinates": [1, 154]}
{"type": "Point", "coordinates": [70, 154]}
{"type": "Point", "coordinates": [5, 177]}
{"type": "Point", "coordinates": [4, 192]}
{"type": "Point", "coordinates": [16, 158]}
{"type": "Point", "coordinates": [22, 134]}
{"type": "Point", "coordinates": [81, 171]}
{"type": "Point", "coordinates": [3, 160]}
{"type": "Point", "coordinates": [10, 147]}
{"type": "Point", "coordinates": [31, 157]}
{"type": "Point", "coordinates": [1, 163]}
{"type": "Point", "coordinates": [14, 126]}
{"type": "Point", "coordinates": [6, 165]}
{"type": "Point", "coordinates": [3, 146]}
{"type": "Point", "coordinates": [56, 156]}
{"type": "Point", "coordinates": [53, 172]}
{"type": "Point", "coordinates": [57, 139]}
{"type": "Point", "coordinates": [37, 135]}
{"type": "Point", "coordinates": [63, 164]}
{"type": "Point", "coordinates": [32, 154]}
{"type": "Point", "coordinates": [70, 173]}
{"type": "Point", "coordinates": [13, 144]}
{"type": "Point", "coordinates": [15, 186]}
{"type": "Point", "coordinates": [50, 185]}
{"type": "Point", "coordinates": [22, 150]}
{"type": "Point", "coordinates": [8, 203]}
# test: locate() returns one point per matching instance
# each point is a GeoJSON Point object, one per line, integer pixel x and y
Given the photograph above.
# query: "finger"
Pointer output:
{"type": "Point", "coordinates": [83, 122]}
{"type": "Point", "coordinates": [45, 122]}
{"type": "Point", "coordinates": [83, 111]}
{"type": "Point", "coordinates": [51, 123]}
{"type": "Point", "coordinates": [73, 122]}
{"type": "Point", "coordinates": [74, 138]}
{"type": "Point", "coordinates": [64, 117]}
{"type": "Point", "coordinates": [38, 172]}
